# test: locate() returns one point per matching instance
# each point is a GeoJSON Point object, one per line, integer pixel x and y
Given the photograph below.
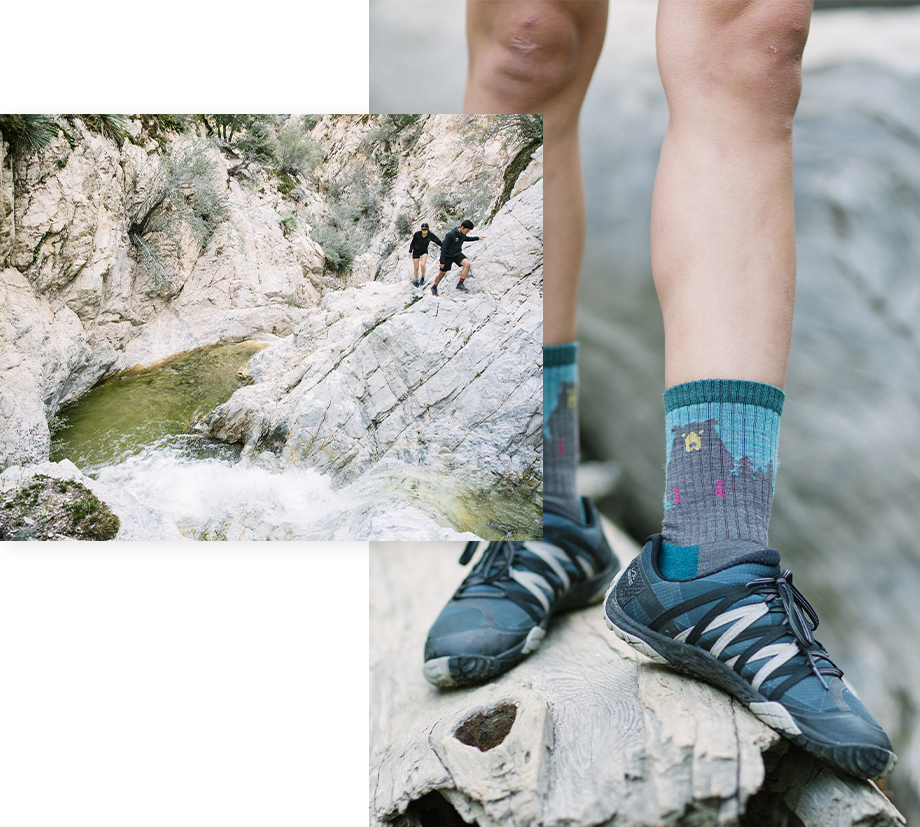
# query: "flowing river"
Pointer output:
{"type": "Point", "coordinates": [135, 431]}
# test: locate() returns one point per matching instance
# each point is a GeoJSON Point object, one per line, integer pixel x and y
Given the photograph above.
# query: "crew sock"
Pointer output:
{"type": "Point", "coordinates": [722, 439]}
{"type": "Point", "coordinates": [560, 430]}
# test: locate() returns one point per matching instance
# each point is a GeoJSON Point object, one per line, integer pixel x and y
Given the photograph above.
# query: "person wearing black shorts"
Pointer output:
{"type": "Point", "coordinates": [418, 247]}
{"type": "Point", "coordinates": [452, 253]}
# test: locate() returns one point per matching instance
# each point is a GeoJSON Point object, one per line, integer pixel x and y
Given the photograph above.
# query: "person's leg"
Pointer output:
{"type": "Point", "coordinates": [443, 267]}
{"type": "Point", "coordinates": [723, 229]}
{"type": "Point", "coordinates": [415, 263]}
{"type": "Point", "coordinates": [424, 261]}
{"type": "Point", "coordinates": [707, 594]}
{"type": "Point", "coordinates": [464, 269]}
{"type": "Point", "coordinates": [534, 56]}
{"type": "Point", "coordinates": [538, 56]}
{"type": "Point", "coordinates": [723, 258]}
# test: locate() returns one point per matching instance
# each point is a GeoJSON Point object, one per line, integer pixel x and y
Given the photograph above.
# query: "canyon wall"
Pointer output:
{"type": "Point", "coordinates": [102, 272]}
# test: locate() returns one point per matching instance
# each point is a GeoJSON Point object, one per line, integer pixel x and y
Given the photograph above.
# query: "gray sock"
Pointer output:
{"type": "Point", "coordinates": [560, 430]}
{"type": "Point", "coordinates": [722, 445]}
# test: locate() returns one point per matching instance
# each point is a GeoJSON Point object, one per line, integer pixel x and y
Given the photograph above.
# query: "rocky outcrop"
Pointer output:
{"type": "Point", "coordinates": [80, 301]}
{"type": "Point", "coordinates": [428, 388]}
{"type": "Point", "coordinates": [439, 169]}
{"type": "Point", "coordinates": [137, 521]}
{"type": "Point", "coordinates": [431, 403]}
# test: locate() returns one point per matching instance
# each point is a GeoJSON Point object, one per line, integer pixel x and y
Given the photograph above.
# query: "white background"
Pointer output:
{"type": "Point", "coordinates": [342, 64]}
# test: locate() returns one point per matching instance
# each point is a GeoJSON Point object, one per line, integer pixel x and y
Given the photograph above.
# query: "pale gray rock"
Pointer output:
{"type": "Point", "coordinates": [441, 171]}
{"type": "Point", "coordinates": [7, 218]}
{"type": "Point", "coordinates": [40, 351]}
{"type": "Point", "coordinates": [66, 237]}
{"type": "Point", "coordinates": [384, 372]}
{"type": "Point", "coordinates": [369, 376]}
{"type": "Point", "coordinates": [74, 308]}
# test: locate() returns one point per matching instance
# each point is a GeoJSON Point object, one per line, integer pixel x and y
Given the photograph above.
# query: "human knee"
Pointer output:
{"type": "Point", "coordinates": [749, 50]}
{"type": "Point", "coordinates": [529, 54]}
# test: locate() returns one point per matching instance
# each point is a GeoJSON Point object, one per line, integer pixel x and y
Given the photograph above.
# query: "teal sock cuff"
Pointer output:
{"type": "Point", "coordinates": [708, 391]}
{"type": "Point", "coordinates": [560, 365]}
{"type": "Point", "coordinates": [560, 430]}
{"type": "Point", "coordinates": [559, 355]}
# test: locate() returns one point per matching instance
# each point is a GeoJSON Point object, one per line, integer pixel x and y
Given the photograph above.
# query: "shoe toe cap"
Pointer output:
{"type": "Point", "coordinates": [855, 743]}
{"type": "Point", "coordinates": [474, 627]}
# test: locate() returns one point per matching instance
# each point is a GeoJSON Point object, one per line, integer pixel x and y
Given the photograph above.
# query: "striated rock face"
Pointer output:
{"type": "Point", "coordinates": [388, 374]}
{"type": "Point", "coordinates": [432, 172]}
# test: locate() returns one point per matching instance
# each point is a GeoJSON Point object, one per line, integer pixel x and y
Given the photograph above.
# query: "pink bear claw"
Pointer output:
{"type": "Point", "coordinates": [560, 443]}
{"type": "Point", "coordinates": [719, 488]}
{"type": "Point", "coordinates": [676, 496]}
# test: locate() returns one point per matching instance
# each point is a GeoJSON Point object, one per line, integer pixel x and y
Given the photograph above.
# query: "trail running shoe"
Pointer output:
{"type": "Point", "coordinates": [500, 613]}
{"type": "Point", "coordinates": [416, 283]}
{"type": "Point", "coordinates": [748, 630]}
{"type": "Point", "coordinates": [462, 287]}
{"type": "Point", "coordinates": [434, 290]}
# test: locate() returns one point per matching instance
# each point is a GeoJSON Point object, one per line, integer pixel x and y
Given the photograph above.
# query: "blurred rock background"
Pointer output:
{"type": "Point", "coordinates": [845, 515]}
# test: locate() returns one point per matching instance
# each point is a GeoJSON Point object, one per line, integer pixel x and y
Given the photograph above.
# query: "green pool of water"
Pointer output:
{"type": "Point", "coordinates": [138, 408]}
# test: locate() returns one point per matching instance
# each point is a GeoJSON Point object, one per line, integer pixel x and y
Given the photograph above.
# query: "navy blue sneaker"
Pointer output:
{"type": "Point", "coordinates": [748, 630]}
{"type": "Point", "coordinates": [462, 287]}
{"type": "Point", "coordinates": [434, 290]}
{"type": "Point", "coordinates": [500, 613]}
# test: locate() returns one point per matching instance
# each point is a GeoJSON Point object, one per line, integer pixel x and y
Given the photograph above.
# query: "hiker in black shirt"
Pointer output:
{"type": "Point", "coordinates": [452, 253]}
{"type": "Point", "coordinates": [418, 247]}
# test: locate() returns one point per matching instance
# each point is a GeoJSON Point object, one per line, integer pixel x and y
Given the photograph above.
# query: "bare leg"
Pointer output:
{"type": "Point", "coordinates": [538, 56]}
{"type": "Point", "coordinates": [723, 258]}
{"type": "Point", "coordinates": [723, 255]}
{"type": "Point", "coordinates": [415, 268]}
{"type": "Point", "coordinates": [723, 230]}
{"type": "Point", "coordinates": [424, 261]}
{"type": "Point", "coordinates": [465, 269]}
